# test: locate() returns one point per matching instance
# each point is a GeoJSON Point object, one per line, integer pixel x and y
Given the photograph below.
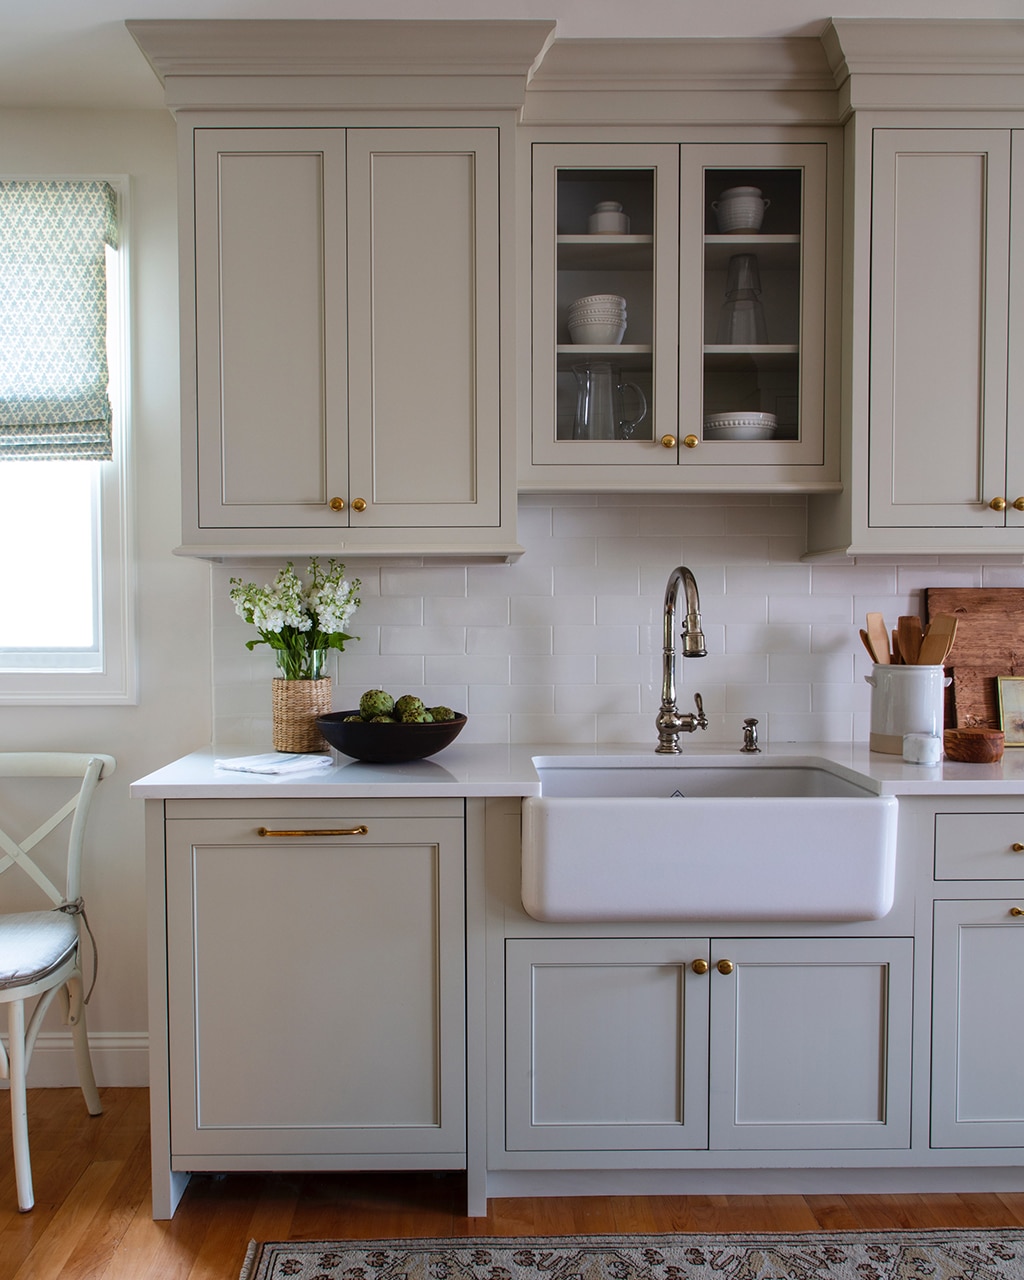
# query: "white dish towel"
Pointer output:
{"type": "Point", "coordinates": [275, 762]}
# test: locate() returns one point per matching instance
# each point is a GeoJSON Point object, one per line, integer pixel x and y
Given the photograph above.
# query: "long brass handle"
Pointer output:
{"type": "Point", "coordinates": [725, 966]}
{"type": "Point", "coordinates": [998, 504]}
{"type": "Point", "coordinates": [700, 966]}
{"type": "Point", "coordinates": [1017, 911]}
{"type": "Point", "coordinates": [325, 831]}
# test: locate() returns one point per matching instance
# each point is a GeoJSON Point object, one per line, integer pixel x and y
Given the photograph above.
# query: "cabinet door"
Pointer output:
{"type": "Point", "coordinates": [978, 1024]}
{"type": "Point", "coordinates": [316, 989]}
{"type": "Point", "coordinates": [637, 397]}
{"type": "Point", "coordinates": [939, 298]}
{"type": "Point", "coordinates": [810, 1043]}
{"type": "Point", "coordinates": [424, 399]}
{"type": "Point", "coordinates": [606, 1044]}
{"type": "Point", "coordinates": [1015, 390]}
{"type": "Point", "coordinates": [752, 366]}
{"type": "Point", "coordinates": [270, 326]}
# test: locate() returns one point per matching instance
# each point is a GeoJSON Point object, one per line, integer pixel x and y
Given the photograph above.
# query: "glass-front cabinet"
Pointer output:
{"type": "Point", "coordinates": [683, 299]}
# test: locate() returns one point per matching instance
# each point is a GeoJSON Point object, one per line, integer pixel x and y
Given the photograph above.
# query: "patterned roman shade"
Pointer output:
{"type": "Point", "coordinates": [53, 319]}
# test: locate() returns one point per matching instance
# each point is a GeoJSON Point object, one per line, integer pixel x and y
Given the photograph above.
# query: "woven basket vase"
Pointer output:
{"type": "Point", "coordinates": [296, 705]}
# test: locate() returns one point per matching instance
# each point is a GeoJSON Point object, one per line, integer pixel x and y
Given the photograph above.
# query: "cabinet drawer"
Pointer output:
{"type": "Point", "coordinates": [979, 846]}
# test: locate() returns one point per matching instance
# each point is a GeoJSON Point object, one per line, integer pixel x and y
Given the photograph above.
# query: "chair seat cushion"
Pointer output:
{"type": "Point", "coordinates": [33, 944]}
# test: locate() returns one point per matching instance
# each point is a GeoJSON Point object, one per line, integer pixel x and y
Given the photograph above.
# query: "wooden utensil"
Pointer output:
{"type": "Point", "coordinates": [867, 644]}
{"type": "Point", "coordinates": [938, 640]}
{"type": "Point", "coordinates": [910, 633]}
{"type": "Point", "coordinates": [878, 637]}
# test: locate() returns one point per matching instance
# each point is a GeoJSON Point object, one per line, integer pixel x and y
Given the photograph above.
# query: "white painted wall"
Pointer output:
{"type": "Point", "coordinates": [173, 715]}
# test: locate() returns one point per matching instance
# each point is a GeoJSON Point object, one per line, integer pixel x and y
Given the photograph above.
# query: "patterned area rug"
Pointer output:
{"type": "Point", "coordinates": [849, 1255]}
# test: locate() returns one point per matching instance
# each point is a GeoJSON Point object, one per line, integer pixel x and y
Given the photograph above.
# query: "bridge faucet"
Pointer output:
{"type": "Point", "coordinates": [671, 722]}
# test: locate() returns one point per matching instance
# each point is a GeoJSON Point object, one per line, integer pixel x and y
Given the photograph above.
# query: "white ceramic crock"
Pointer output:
{"type": "Point", "coordinates": [905, 699]}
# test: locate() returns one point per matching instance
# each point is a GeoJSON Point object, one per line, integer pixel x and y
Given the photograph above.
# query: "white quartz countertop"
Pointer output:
{"type": "Point", "coordinates": [482, 769]}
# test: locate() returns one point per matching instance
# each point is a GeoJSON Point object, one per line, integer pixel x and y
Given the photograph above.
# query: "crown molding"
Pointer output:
{"type": "Point", "coordinates": [255, 62]}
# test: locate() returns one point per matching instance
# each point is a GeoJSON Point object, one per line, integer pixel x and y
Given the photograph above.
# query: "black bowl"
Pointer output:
{"type": "Point", "coordinates": [387, 743]}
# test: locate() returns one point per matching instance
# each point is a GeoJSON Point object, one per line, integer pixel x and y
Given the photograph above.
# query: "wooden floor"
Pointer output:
{"type": "Point", "coordinates": [92, 1215]}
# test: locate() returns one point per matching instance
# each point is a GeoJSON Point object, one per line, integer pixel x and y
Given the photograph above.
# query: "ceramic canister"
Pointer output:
{"type": "Point", "coordinates": [905, 699]}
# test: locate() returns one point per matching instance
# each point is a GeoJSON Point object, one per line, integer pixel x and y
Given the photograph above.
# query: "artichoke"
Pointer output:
{"type": "Point", "coordinates": [382, 720]}
{"type": "Point", "coordinates": [375, 702]}
{"type": "Point", "coordinates": [442, 714]}
{"type": "Point", "coordinates": [409, 708]}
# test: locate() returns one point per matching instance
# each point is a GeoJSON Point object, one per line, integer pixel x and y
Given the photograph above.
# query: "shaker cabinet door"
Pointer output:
{"type": "Point", "coordinates": [940, 242]}
{"type": "Point", "coordinates": [270, 325]}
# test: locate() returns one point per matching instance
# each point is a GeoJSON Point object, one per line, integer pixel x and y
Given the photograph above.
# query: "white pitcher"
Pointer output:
{"type": "Point", "coordinates": [905, 699]}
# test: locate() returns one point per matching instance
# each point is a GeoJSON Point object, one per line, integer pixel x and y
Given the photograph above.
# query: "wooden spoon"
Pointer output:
{"type": "Point", "coordinates": [878, 637]}
{"type": "Point", "coordinates": [867, 644]}
{"type": "Point", "coordinates": [938, 640]}
{"type": "Point", "coordinates": [910, 634]}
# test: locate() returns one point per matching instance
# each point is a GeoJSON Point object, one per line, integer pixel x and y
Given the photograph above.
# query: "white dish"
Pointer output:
{"type": "Point", "coordinates": [597, 335]}
{"type": "Point", "coordinates": [738, 432]}
{"type": "Point", "coordinates": [739, 426]}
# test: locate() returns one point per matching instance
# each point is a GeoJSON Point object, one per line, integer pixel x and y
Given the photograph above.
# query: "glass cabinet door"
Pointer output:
{"type": "Point", "coordinates": [752, 353]}
{"type": "Point", "coordinates": [605, 248]}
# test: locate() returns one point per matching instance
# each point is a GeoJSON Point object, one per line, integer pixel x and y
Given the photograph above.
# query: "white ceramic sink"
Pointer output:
{"type": "Point", "coordinates": [703, 838]}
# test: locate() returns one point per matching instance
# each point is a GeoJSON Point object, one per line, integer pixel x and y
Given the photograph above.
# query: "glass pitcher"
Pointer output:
{"type": "Point", "coordinates": [601, 403]}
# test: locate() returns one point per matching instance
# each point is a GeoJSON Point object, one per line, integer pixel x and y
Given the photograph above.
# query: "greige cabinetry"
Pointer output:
{"type": "Point", "coordinates": [314, 995]}
{"type": "Point", "coordinates": [673, 1044]}
{"type": "Point", "coordinates": [347, 302]}
{"type": "Point", "coordinates": [977, 1027]}
{"type": "Point", "coordinates": [680, 362]}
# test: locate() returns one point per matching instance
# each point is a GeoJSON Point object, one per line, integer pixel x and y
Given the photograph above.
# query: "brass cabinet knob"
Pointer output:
{"type": "Point", "coordinates": [725, 966]}
{"type": "Point", "coordinates": [1017, 847]}
{"type": "Point", "coordinates": [1018, 504]}
{"type": "Point", "coordinates": [358, 504]}
{"type": "Point", "coordinates": [998, 504]}
{"type": "Point", "coordinates": [691, 442]}
{"type": "Point", "coordinates": [669, 442]}
{"type": "Point", "coordinates": [1017, 911]}
{"type": "Point", "coordinates": [337, 504]}
{"type": "Point", "coordinates": [700, 966]}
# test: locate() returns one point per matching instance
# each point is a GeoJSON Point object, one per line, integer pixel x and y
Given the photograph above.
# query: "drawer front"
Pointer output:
{"type": "Point", "coordinates": [979, 846]}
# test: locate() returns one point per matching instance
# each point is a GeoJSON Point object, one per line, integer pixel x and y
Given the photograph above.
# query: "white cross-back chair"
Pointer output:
{"type": "Point", "coordinates": [39, 950]}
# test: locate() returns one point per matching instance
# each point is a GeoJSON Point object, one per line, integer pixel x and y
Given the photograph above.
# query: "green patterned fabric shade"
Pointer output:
{"type": "Point", "coordinates": [53, 319]}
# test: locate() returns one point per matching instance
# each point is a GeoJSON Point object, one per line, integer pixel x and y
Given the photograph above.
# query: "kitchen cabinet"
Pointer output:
{"type": "Point", "coordinates": [687, 1043]}
{"type": "Point", "coordinates": [978, 1031]}
{"type": "Point", "coordinates": [943, 453]}
{"type": "Point", "coordinates": [348, 310]}
{"type": "Point", "coordinates": [314, 993]}
{"type": "Point", "coordinates": [680, 363]}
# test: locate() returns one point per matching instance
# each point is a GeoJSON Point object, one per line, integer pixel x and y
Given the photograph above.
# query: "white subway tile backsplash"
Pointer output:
{"type": "Point", "coordinates": [564, 645]}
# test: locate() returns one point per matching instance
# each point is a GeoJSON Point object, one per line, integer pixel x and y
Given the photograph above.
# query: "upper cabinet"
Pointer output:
{"type": "Point", "coordinates": [345, 296]}
{"type": "Point", "coordinates": [934, 458]}
{"type": "Point", "coordinates": [347, 325]}
{"type": "Point", "coordinates": [680, 295]}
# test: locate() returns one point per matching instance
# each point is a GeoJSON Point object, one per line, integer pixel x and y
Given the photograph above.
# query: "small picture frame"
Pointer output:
{"type": "Point", "coordinates": [1011, 709]}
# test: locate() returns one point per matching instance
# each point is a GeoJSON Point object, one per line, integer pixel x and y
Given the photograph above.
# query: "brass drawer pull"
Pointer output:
{"type": "Point", "coordinates": [725, 966]}
{"type": "Point", "coordinates": [1017, 911]}
{"type": "Point", "coordinates": [1017, 847]}
{"type": "Point", "coordinates": [326, 831]}
{"type": "Point", "coordinates": [700, 966]}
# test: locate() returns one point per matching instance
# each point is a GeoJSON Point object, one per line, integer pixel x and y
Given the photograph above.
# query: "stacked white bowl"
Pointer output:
{"type": "Point", "coordinates": [598, 320]}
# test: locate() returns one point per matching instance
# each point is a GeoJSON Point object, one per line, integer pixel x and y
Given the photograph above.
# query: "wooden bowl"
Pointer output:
{"type": "Point", "coordinates": [387, 743]}
{"type": "Point", "coordinates": [973, 746]}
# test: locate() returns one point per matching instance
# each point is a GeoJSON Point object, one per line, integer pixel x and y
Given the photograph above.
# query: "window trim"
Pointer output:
{"type": "Point", "coordinates": [117, 680]}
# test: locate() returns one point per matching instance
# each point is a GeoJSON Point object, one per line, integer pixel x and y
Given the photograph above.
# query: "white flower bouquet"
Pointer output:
{"type": "Point", "coordinates": [300, 622]}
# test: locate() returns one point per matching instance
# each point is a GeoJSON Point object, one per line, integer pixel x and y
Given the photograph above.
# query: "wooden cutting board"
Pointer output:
{"type": "Point", "coordinates": [989, 643]}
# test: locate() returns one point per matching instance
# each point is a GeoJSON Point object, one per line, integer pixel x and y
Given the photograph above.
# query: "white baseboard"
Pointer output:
{"type": "Point", "coordinates": [118, 1059]}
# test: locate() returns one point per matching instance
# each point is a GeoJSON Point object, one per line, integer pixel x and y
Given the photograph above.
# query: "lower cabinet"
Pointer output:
{"type": "Point", "coordinates": [978, 1023]}
{"type": "Point", "coordinates": [316, 988]}
{"type": "Point", "coordinates": [693, 1043]}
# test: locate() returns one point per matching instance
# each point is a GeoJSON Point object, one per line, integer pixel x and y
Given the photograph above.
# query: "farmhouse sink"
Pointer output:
{"type": "Point", "coordinates": [702, 838]}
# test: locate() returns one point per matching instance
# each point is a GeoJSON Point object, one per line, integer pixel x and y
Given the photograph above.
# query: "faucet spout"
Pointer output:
{"type": "Point", "coordinates": [670, 721]}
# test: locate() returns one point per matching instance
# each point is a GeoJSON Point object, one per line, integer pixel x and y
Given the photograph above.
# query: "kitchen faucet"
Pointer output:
{"type": "Point", "coordinates": [671, 722]}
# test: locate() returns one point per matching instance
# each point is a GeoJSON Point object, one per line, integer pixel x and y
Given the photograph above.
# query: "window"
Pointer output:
{"type": "Point", "coordinates": [65, 616]}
